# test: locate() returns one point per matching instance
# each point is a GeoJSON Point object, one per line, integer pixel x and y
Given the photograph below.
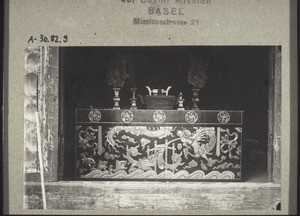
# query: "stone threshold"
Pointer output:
{"type": "Point", "coordinates": [134, 195]}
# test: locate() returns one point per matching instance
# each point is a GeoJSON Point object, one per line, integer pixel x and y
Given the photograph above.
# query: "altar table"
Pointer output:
{"type": "Point", "coordinates": [136, 144]}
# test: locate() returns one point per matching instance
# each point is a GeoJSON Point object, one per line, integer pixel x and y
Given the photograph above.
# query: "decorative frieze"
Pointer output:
{"type": "Point", "coordinates": [158, 151]}
{"type": "Point", "coordinates": [204, 117]}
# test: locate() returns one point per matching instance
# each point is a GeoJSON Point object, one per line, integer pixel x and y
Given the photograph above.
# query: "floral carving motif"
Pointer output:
{"type": "Point", "coordinates": [223, 117]}
{"type": "Point", "coordinates": [191, 116]}
{"type": "Point", "coordinates": [229, 143]}
{"type": "Point", "coordinates": [127, 116]}
{"type": "Point", "coordinates": [95, 116]}
{"type": "Point", "coordinates": [87, 147]}
{"type": "Point", "coordinates": [159, 116]}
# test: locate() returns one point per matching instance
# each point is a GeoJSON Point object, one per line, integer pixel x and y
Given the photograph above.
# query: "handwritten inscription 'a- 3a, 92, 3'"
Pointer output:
{"type": "Point", "coordinates": [48, 39]}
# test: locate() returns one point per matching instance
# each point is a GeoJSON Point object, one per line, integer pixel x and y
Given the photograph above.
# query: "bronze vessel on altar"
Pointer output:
{"type": "Point", "coordinates": [159, 99]}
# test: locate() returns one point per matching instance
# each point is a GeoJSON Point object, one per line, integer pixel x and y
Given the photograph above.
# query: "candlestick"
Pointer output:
{"type": "Point", "coordinates": [180, 102]}
{"type": "Point", "coordinates": [116, 98]}
{"type": "Point", "coordinates": [133, 99]}
{"type": "Point", "coordinates": [133, 92]}
{"type": "Point", "coordinates": [195, 99]}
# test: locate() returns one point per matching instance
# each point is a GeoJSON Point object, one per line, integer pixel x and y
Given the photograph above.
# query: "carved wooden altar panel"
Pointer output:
{"type": "Point", "coordinates": [206, 145]}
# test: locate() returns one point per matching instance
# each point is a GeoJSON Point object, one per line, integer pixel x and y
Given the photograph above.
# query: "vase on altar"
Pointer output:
{"type": "Point", "coordinates": [116, 98]}
{"type": "Point", "coordinates": [117, 75]}
{"type": "Point", "coordinates": [195, 98]}
{"type": "Point", "coordinates": [197, 77]}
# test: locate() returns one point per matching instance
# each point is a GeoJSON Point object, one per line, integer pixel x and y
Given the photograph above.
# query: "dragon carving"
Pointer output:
{"type": "Point", "coordinates": [198, 141]}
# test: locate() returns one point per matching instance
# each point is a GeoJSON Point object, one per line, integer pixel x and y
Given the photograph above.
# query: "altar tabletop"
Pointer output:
{"type": "Point", "coordinates": [215, 117]}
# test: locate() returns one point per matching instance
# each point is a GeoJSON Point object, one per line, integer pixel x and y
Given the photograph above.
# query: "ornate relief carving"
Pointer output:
{"type": "Point", "coordinates": [95, 115]}
{"type": "Point", "coordinates": [223, 117]}
{"type": "Point", "coordinates": [41, 94]}
{"type": "Point", "coordinates": [87, 148]}
{"type": "Point", "coordinates": [191, 116]}
{"type": "Point", "coordinates": [127, 116]}
{"type": "Point", "coordinates": [32, 69]}
{"type": "Point", "coordinates": [157, 152]}
{"type": "Point", "coordinates": [229, 141]}
{"type": "Point", "coordinates": [159, 116]}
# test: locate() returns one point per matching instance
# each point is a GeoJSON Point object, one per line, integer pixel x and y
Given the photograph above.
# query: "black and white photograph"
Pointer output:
{"type": "Point", "coordinates": [165, 114]}
{"type": "Point", "coordinates": [150, 107]}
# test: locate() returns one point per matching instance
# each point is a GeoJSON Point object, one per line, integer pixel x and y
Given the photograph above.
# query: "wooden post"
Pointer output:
{"type": "Point", "coordinates": [40, 154]}
{"type": "Point", "coordinates": [274, 143]}
{"type": "Point", "coordinates": [46, 103]}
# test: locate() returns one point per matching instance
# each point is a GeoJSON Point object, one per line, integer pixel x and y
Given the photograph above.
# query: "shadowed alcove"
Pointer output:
{"type": "Point", "coordinates": [237, 79]}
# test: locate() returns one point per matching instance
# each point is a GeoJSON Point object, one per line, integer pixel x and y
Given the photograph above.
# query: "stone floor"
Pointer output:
{"type": "Point", "coordinates": [139, 195]}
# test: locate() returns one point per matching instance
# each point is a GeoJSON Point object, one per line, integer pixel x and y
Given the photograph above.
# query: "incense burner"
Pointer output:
{"type": "Point", "coordinates": [159, 99]}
